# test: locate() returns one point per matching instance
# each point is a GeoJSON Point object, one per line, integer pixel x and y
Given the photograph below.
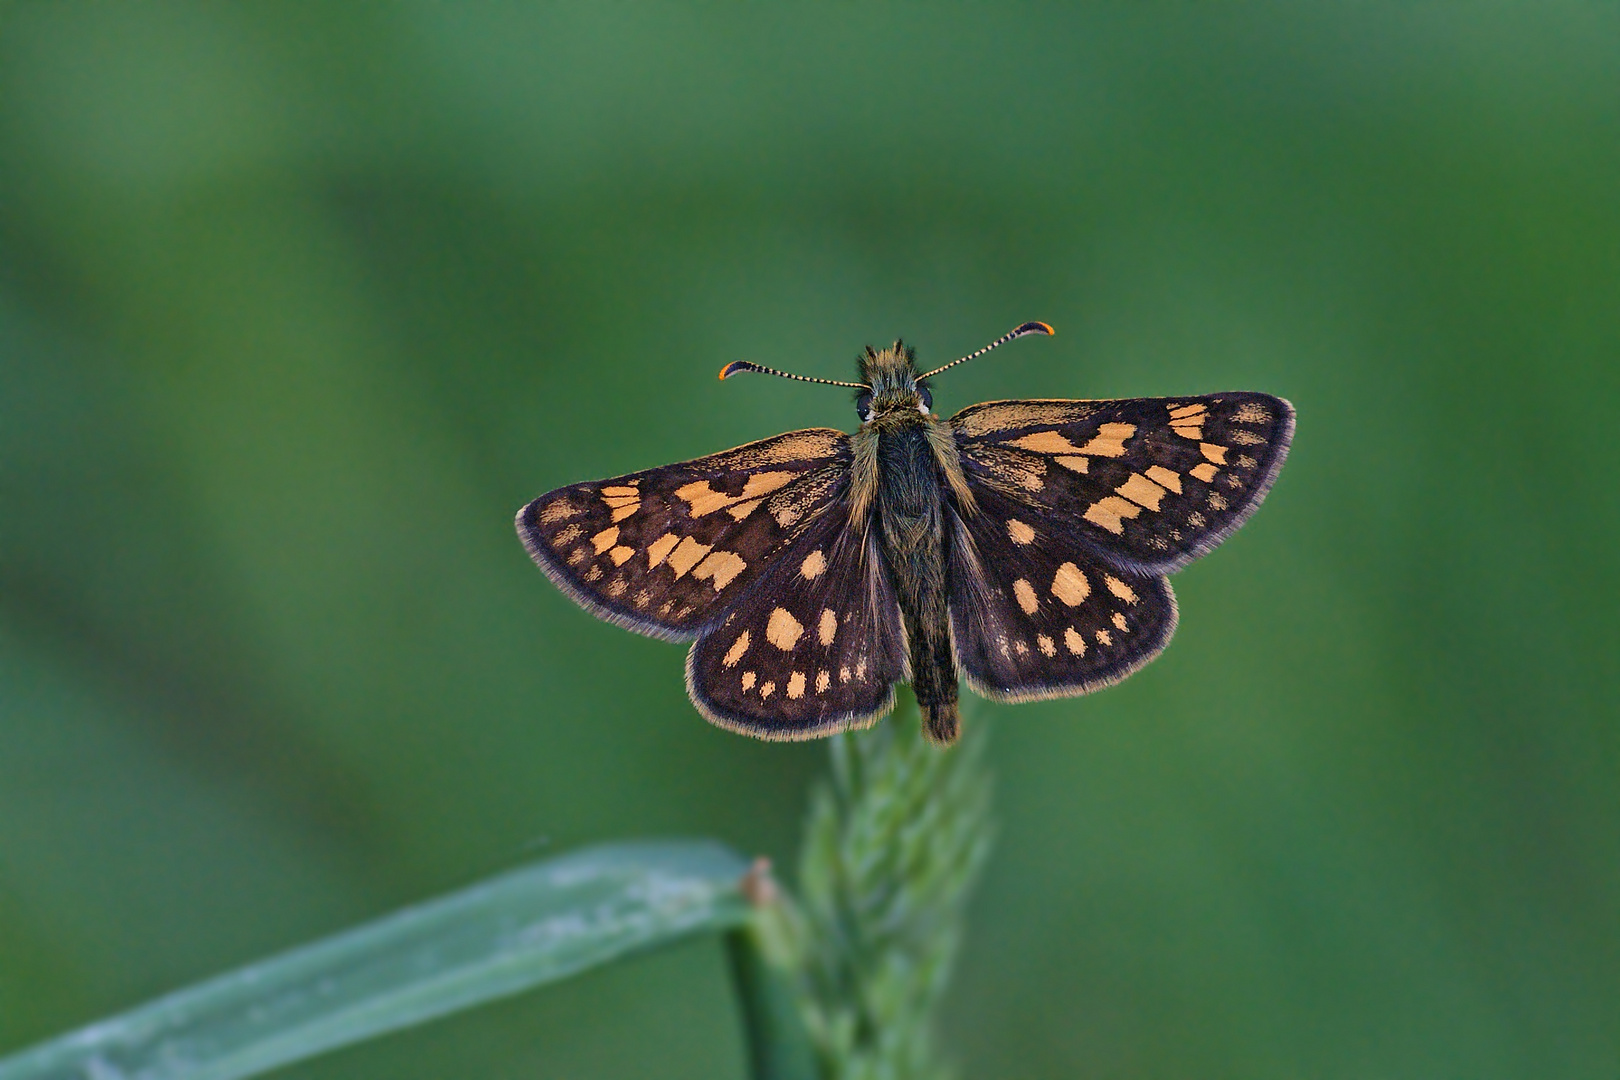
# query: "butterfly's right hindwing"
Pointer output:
{"type": "Point", "coordinates": [815, 647]}
{"type": "Point", "coordinates": [1040, 616]}
{"type": "Point", "coordinates": [665, 552]}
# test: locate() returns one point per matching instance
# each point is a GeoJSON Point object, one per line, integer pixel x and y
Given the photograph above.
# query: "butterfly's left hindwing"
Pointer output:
{"type": "Point", "coordinates": [665, 552]}
{"type": "Point", "coordinates": [815, 647]}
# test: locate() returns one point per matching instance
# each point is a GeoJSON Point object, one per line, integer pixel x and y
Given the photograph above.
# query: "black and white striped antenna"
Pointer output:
{"type": "Point", "coordinates": [745, 365]}
{"type": "Point", "coordinates": [1027, 328]}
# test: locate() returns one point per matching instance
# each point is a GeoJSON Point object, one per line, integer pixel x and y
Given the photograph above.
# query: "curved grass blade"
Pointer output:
{"type": "Point", "coordinates": [504, 935]}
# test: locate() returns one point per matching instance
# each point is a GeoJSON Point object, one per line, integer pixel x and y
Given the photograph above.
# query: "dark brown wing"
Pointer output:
{"type": "Point", "coordinates": [815, 647]}
{"type": "Point", "coordinates": [1148, 483]}
{"type": "Point", "coordinates": [1039, 615]}
{"type": "Point", "coordinates": [666, 551]}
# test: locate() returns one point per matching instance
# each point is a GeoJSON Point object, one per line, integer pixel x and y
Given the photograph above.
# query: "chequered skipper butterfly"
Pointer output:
{"type": "Point", "coordinates": [1024, 543]}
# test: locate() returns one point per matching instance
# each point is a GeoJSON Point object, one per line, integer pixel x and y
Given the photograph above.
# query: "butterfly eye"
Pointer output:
{"type": "Point", "coordinates": [927, 399]}
{"type": "Point", "coordinates": [863, 406]}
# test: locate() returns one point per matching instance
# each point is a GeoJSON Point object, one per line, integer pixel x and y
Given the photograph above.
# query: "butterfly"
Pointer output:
{"type": "Point", "coordinates": [1022, 544]}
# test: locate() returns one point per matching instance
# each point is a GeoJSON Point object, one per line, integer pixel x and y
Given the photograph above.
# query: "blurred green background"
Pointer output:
{"type": "Point", "coordinates": [300, 302]}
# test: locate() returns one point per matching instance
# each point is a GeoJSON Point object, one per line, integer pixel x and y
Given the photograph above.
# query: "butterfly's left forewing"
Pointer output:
{"type": "Point", "coordinates": [666, 552]}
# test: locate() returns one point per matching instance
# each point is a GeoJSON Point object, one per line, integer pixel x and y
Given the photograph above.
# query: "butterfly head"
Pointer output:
{"type": "Point", "coordinates": [892, 384]}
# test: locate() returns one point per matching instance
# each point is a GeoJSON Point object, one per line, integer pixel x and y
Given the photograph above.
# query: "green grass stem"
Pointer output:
{"type": "Point", "coordinates": [513, 932]}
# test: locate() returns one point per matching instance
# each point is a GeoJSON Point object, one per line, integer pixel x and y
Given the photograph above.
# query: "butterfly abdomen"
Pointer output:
{"type": "Point", "coordinates": [910, 511]}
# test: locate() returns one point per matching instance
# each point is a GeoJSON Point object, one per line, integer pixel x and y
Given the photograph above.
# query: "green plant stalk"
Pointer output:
{"type": "Point", "coordinates": [840, 986]}
{"type": "Point", "coordinates": [513, 932]}
{"type": "Point", "coordinates": [777, 1041]}
{"type": "Point", "coordinates": [893, 846]}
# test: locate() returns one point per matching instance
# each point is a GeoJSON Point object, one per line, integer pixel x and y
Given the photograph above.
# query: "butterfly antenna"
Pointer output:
{"type": "Point", "coordinates": [743, 365]}
{"type": "Point", "coordinates": [1027, 328]}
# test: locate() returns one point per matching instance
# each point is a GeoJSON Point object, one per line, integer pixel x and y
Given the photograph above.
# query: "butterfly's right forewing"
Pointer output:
{"type": "Point", "coordinates": [1149, 483]}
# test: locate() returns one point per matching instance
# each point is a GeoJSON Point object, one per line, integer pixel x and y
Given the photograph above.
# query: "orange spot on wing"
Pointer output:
{"type": "Point", "coordinates": [1046, 442]}
{"type": "Point", "coordinates": [1110, 513]}
{"type": "Point", "coordinates": [1110, 440]}
{"type": "Point", "coordinates": [1165, 478]}
{"type": "Point", "coordinates": [783, 630]}
{"type": "Point", "coordinates": [1070, 585]}
{"type": "Point", "coordinates": [720, 566]}
{"type": "Point", "coordinates": [687, 554]}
